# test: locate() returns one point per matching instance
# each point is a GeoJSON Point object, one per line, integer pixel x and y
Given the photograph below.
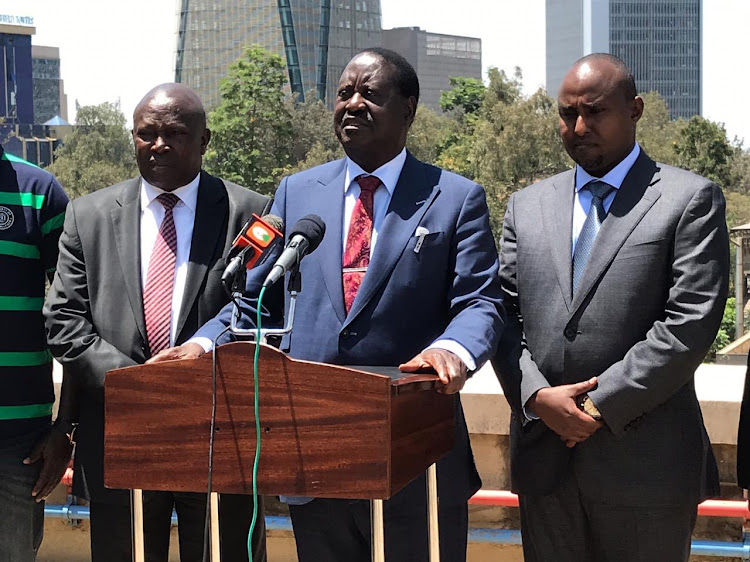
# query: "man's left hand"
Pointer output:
{"type": "Point", "coordinates": [54, 450]}
{"type": "Point", "coordinates": [451, 370]}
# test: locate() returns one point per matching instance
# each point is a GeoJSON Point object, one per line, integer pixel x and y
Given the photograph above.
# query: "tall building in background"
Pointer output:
{"type": "Point", "coordinates": [436, 58]}
{"type": "Point", "coordinates": [20, 130]}
{"type": "Point", "coordinates": [50, 100]}
{"type": "Point", "coordinates": [660, 40]}
{"type": "Point", "coordinates": [316, 38]}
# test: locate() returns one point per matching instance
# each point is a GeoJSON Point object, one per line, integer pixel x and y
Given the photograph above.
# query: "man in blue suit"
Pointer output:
{"type": "Point", "coordinates": [406, 274]}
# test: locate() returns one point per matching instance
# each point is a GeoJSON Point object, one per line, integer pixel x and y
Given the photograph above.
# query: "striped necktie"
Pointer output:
{"type": "Point", "coordinates": [599, 191]}
{"type": "Point", "coordinates": [157, 296]}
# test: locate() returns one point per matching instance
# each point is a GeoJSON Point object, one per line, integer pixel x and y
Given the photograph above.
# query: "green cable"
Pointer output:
{"type": "Point", "coordinates": [257, 429]}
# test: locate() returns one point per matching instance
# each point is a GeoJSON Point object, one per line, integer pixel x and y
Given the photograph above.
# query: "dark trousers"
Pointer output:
{"type": "Point", "coordinates": [111, 539]}
{"type": "Point", "coordinates": [568, 526]}
{"type": "Point", "coordinates": [339, 531]}
{"type": "Point", "coordinates": [21, 518]}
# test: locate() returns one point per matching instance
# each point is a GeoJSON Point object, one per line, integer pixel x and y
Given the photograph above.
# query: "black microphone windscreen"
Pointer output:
{"type": "Point", "coordinates": [311, 227]}
{"type": "Point", "coordinates": [274, 221]}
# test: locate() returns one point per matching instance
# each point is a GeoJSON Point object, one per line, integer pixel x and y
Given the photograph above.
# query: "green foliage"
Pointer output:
{"type": "Point", "coordinates": [431, 134]}
{"type": "Point", "coordinates": [465, 96]}
{"type": "Point", "coordinates": [727, 330]}
{"type": "Point", "coordinates": [98, 153]}
{"type": "Point", "coordinates": [251, 127]}
{"type": "Point", "coordinates": [703, 148]}
{"type": "Point", "coordinates": [656, 132]}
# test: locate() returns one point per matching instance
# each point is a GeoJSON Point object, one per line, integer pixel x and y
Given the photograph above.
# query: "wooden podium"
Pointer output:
{"type": "Point", "coordinates": [327, 430]}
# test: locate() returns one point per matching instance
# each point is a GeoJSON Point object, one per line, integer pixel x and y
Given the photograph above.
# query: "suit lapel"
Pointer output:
{"type": "Point", "coordinates": [557, 216]}
{"type": "Point", "coordinates": [412, 197]}
{"type": "Point", "coordinates": [328, 202]}
{"type": "Point", "coordinates": [633, 200]}
{"type": "Point", "coordinates": [210, 212]}
{"type": "Point", "coordinates": [126, 220]}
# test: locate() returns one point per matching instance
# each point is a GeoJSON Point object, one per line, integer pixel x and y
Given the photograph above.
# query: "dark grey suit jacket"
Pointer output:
{"type": "Point", "coordinates": [646, 311]}
{"type": "Point", "coordinates": [94, 309]}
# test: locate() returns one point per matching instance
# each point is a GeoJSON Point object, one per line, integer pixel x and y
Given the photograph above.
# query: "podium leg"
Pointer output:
{"type": "Point", "coordinates": [136, 512]}
{"type": "Point", "coordinates": [215, 548]}
{"type": "Point", "coordinates": [432, 513]}
{"type": "Point", "coordinates": [378, 531]}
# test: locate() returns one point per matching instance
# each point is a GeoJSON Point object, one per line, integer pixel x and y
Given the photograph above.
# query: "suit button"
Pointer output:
{"type": "Point", "coordinates": [570, 334]}
{"type": "Point", "coordinates": [345, 333]}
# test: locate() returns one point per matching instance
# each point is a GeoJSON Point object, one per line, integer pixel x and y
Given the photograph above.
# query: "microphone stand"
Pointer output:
{"type": "Point", "coordinates": [294, 287]}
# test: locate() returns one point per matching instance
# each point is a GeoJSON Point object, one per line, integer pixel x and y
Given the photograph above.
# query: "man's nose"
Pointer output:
{"type": "Point", "coordinates": [160, 144]}
{"type": "Point", "coordinates": [356, 102]}
{"type": "Point", "coordinates": [580, 128]}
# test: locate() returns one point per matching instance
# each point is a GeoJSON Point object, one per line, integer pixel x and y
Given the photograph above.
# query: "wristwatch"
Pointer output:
{"type": "Point", "coordinates": [587, 406]}
{"type": "Point", "coordinates": [66, 428]}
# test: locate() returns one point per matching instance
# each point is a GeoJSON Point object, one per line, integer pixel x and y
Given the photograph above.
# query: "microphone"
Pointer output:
{"type": "Point", "coordinates": [305, 236]}
{"type": "Point", "coordinates": [253, 244]}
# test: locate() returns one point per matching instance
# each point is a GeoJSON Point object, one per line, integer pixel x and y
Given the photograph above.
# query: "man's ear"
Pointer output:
{"type": "Point", "coordinates": [637, 109]}
{"type": "Point", "coordinates": [410, 110]}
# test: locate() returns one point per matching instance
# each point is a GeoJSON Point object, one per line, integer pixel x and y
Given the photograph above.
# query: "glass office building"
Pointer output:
{"type": "Point", "coordinates": [436, 58]}
{"type": "Point", "coordinates": [660, 40]}
{"type": "Point", "coordinates": [316, 38]}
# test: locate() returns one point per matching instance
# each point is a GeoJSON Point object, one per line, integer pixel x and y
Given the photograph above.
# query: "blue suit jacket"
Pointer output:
{"type": "Point", "coordinates": [449, 289]}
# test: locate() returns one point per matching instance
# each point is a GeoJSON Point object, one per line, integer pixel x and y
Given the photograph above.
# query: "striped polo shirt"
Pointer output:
{"type": "Point", "coordinates": [32, 211]}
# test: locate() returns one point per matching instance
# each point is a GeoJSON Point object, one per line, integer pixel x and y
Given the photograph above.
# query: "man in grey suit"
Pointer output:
{"type": "Point", "coordinates": [139, 269]}
{"type": "Point", "coordinates": [615, 277]}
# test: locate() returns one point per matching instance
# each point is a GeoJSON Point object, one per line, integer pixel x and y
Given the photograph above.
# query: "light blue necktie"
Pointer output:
{"type": "Point", "coordinates": [594, 219]}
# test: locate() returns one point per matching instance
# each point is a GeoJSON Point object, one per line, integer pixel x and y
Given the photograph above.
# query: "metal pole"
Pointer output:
{"type": "Point", "coordinates": [136, 505]}
{"type": "Point", "coordinates": [432, 513]}
{"type": "Point", "coordinates": [378, 531]}
{"type": "Point", "coordinates": [215, 543]}
{"type": "Point", "coordinates": [739, 289]}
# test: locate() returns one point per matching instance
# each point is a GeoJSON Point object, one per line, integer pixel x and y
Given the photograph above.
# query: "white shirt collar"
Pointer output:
{"type": "Point", "coordinates": [388, 173]}
{"type": "Point", "coordinates": [188, 194]}
{"type": "Point", "coordinates": [615, 176]}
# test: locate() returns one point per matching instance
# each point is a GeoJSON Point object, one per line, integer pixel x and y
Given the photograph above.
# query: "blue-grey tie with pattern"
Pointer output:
{"type": "Point", "coordinates": [591, 226]}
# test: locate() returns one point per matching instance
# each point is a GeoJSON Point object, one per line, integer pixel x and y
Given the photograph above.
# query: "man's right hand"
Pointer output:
{"type": "Point", "coordinates": [185, 351]}
{"type": "Point", "coordinates": [556, 406]}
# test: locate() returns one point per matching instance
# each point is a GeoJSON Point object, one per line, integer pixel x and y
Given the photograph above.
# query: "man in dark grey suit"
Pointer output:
{"type": "Point", "coordinates": [99, 316]}
{"type": "Point", "coordinates": [615, 277]}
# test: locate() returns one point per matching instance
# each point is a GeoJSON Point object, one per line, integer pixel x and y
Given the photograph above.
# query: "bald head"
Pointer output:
{"type": "Point", "coordinates": [617, 71]}
{"type": "Point", "coordinates": [170, 136]}
{"type": "Point", "coordinates": [599, 109]}
{"type": "Point", "coordinates": [178, 96]}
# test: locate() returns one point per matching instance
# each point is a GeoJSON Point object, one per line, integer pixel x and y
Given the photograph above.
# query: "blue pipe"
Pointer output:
{"type": "Point", "coordinates": [490, 536]}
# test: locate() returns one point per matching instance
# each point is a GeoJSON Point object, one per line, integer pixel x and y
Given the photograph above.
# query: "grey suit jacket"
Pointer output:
{"type": "Point", "coordinates": [94, 309]}
{"type": "Point", "coordinates": [645, 313]}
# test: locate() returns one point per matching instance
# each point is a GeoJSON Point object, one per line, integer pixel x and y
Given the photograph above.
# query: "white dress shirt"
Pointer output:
{"type": "Point", "coordinates": [388, 175]}
{"type": "Point", "coordinates": [614, 177]}
{"type": "Point", "coordinates": [152, 215]}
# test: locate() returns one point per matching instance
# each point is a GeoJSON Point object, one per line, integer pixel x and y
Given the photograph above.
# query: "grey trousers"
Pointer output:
{"type": "Point", "coordinates": [568, 526]}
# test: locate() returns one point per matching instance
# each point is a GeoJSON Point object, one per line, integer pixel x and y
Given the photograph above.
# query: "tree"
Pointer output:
{"type": "Point", "coordinates": [702, 147]}
{"type": "Point", "coordinates": [98, 153]}
{"type": "Point", "coordinates": [313, 139]}
{"type": "Point", "coordinates": [656, 132]}
{"type": "Point", "coordinates": [251, 127]}
{"type": "Point", "coordinates": [465, 96]}
{"type": "Point", "coordinates": [430, 134]}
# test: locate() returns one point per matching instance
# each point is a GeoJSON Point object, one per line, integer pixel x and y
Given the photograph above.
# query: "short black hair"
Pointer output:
{"type": "Point", "coordinates": [627, 80]}
{"type": "Point", "coordinates": [406, 76]}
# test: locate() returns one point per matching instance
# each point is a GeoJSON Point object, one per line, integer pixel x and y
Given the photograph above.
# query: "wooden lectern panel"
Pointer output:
{"type": "Point", "coordinates": [327, 431]}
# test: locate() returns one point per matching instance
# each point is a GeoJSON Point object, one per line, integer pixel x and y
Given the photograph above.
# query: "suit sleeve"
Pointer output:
{"type": "Point", "coordinates": [657, 367]}
{"type": "Point", "coordinates": [513, 363]}
{"type": "Point", "coordinates": [475, 302]}
{"type": "Point", "coordinates": [71, 335]}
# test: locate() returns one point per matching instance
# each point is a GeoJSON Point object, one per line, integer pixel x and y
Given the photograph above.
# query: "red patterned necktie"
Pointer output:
{"type": "Point", "coordinates": [157, 297]}
{"type": "Point", "coordinates": [357, 251]}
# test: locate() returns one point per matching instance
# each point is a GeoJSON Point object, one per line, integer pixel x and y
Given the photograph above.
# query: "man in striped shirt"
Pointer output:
{"type": "Point", "coordinates": [32, 456]}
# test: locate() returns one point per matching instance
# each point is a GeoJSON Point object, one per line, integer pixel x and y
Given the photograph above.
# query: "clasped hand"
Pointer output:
{"type": "Point", "coordinates": [557, 407]}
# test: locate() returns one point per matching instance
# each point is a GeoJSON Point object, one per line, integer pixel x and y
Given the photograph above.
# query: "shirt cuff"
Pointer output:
{"type": "Point", "coordinates": [457, 349]}
{"type": "Point", "coordinates": [206, 343]}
